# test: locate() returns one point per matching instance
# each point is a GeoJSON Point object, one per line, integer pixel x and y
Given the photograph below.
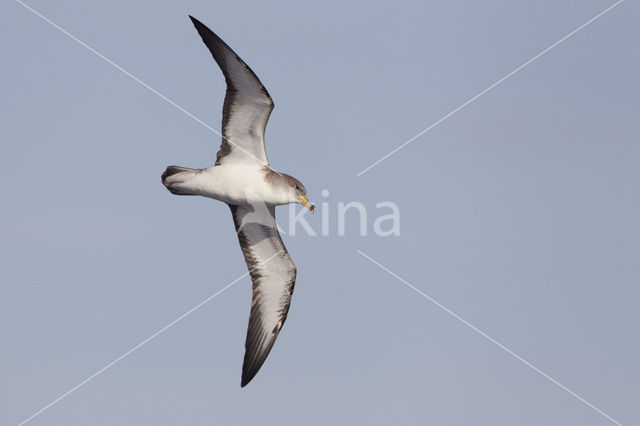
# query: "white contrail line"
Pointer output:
{"type": "Point", "coordinates": [500, 345]}
{"type": "Point", "coordinates": [136, 79]}
{"type": "Point", "coordinates": [489, 88]}
{"type": "Point", "coordinates": [124, 355]}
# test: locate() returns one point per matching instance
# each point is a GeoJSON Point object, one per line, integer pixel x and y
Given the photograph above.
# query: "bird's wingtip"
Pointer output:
{"type": "Point", "coordinates": [247, 375]}
{"type": "Point", "coordinates": [244, 382]}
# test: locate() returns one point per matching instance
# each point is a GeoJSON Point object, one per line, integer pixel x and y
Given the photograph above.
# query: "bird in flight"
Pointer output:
{"type": "Point", "coordinates": [241, 178]}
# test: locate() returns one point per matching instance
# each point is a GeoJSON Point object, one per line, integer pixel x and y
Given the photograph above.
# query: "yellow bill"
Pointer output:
{"type": "Point", "coordinates": [303, 200]}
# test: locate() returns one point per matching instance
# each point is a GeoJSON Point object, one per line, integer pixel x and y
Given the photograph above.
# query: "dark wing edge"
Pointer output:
{"type": "Point", "coordinates": [261, 332]}
{"type": "Point", "coordinates": [221, 53]}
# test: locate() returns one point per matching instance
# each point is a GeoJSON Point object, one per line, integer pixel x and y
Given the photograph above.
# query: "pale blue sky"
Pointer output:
{"type": "Point", "coordinates": [520, 213]}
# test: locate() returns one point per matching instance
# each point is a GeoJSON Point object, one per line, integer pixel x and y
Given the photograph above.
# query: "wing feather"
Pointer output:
{"type": "Point", "coordinates": [247, 104]}
{"type": "Point", "coordinates": [273, 274]}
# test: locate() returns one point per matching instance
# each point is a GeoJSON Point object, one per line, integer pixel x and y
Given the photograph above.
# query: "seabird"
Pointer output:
{"type": "Point", "coordinates": [242, 178]}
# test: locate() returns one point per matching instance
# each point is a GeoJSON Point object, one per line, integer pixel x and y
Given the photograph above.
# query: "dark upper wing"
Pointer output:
{"type": "Point", "coordinates": [273, 274]}
{"type": "Point", "coordinates": [247, 104]}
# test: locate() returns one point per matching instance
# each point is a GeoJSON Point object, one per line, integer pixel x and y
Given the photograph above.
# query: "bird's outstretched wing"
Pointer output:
{"type": "Point", "coordinates": [273, 274]}
{"type": "Point", "coordinates": [247, 104]}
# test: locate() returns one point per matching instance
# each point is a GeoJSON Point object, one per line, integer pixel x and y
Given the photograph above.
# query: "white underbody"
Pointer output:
{"type": "Point", "coordinates": [231, 183]}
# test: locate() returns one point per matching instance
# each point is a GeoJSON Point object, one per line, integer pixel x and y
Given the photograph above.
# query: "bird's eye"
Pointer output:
{"type": "Point", "coordinates": [297, 187]}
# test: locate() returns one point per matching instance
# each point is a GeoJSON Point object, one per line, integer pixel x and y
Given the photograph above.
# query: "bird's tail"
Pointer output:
{"type": "Point", "coordinates": [177, 180]}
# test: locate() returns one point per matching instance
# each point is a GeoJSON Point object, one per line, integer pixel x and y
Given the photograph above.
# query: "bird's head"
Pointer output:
{"type": "Point", "coordinates": [298, 193]}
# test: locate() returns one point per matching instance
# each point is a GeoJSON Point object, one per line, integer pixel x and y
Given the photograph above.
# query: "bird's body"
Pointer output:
{"type": "Point", "coordinates": [241, 177]}
{"type": "Point", "coordinates": [231, 184]}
